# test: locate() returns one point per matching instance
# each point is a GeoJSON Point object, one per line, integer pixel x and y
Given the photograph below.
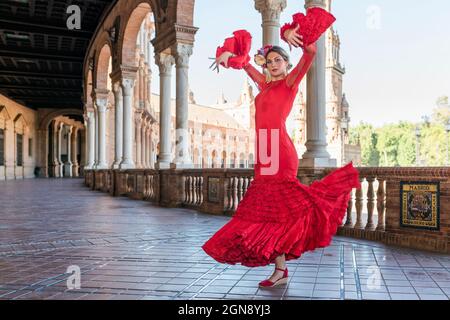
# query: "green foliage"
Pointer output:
{"type": "Point", "coordinates": [366, 137]}
{"type": "Point", "coordinates": [395, 144]}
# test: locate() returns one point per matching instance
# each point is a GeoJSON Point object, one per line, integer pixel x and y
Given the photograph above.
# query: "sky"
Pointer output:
{"type": "Point", "coordinates": [396, 53]}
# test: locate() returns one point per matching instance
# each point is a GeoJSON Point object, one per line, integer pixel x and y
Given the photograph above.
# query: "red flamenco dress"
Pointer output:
{"type": "Point", "coordinates": [278, 214]}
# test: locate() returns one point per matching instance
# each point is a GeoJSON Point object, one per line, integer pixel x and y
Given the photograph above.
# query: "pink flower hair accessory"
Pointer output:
{"type": "Point", "coordinates": [260, 56]}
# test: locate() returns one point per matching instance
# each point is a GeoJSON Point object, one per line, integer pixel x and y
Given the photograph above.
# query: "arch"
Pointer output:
{"type": "Point", "coordinates": [88, 88]}
{"type": "Point", "coordinates": [196, 157]}
{"type": "Point", "coordinates": [20, 122]}
{"type": "Point", "coordinates": [4, 116]}
{"type": "Point", "coordinates": [103, 67]}
{"type": "Point", "coordinates": [224, 159]}
{"type": "Point", "coordinates": [131, 31]}
{"type": "Point", "coordinates": [45, 122]}
{"type": "Point", "coordinates": [233, 160]}
{"type": "Point", "coordinates": [251, 161]}
{"type": "Point", "coordinates": [205, 158]}
{"type": "Point", "coordinates": [241, 160]}
{"type": "Point", "coordinates": [214, 155]}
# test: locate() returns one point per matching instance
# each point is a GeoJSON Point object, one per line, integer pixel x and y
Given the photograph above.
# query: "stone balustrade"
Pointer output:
{"type": "Point", "coordinates": [373, 212]}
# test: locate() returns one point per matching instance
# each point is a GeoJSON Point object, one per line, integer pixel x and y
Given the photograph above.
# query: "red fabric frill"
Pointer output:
{"type": "Point", "coordinates": [279, 216]}
{"type": "Point", "coordinates": [240, 45]}
{"type": "Point", "coordinates": [312, 26]}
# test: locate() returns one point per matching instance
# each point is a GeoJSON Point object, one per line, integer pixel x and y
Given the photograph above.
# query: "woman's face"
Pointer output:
{"type": "Point", "coordinates": [276, 65]}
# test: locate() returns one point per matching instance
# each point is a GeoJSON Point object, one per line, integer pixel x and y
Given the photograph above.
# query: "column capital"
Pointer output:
{"type": "Point", "coordinates": [182, 53]}
{"type": "Point", "coordinates": [164, 62]}
{"type": "Point", "coordinates": [270, 9]}
{"type": "Point", "coordinates": [127, 86]}
{"type": "Point", "coordinates": [88, 107]}
{"type": "Point", "coordinates": [315, 3]}
{"type": "Point", "coordinates": [138, 114]}
{"type": "Point", "coordinates": [100, 94]}
{"type": "Point", "coordinates": [102, 104]}
{"type": "Point", "coordinates": [117, 88]}
{"type": "Point", "coordinates": [123, 72]}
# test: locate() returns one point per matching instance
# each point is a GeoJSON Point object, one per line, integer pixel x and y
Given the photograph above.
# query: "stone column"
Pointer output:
{"type": "Point", "coordinates": [316, 154]}
{"type": "Point", "coordinates": [96, 137]}
{"type": "Point", "coordinates": [144, 145]}
{"type": "Point", "coordinates": [270, 11]}
{"type": "Point", "coordinates": [148, 147]}
{"type": "Point", "coordinates": [42, 152]}
{"type": "Point", "coordinates": [153, 149]}
{"type": "Point", "coordinates": [164, 62]}
{"type": "Point", "coordinates": [182, 158]}
{"type": "Point", "coordinates": [60, 163]}
{"type": "Point", "coordinates": [149, 79]}
{"type": "Point", "coordinates": [142, 85]}
{"type": "Point", "coordinates": [55, 164]}
{"type": "Point", "coordinates": [74, 150]}
{"type": "Point", "coordinates": [101, 109]}
{"type": "Point", "coordinates": [68, 164]}
{"type": "Point", "coordinates": [138, 123]}
{"type": "Point", "coordinates": [127, 90]}
{"type": "Point", "coordinates": [90, 138]}
{"type": "Point", "coordinates": [118, 124]}
{"type": "Point", "coordinates": [83, 153]}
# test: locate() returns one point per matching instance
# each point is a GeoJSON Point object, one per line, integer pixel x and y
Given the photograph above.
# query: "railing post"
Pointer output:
{"type": "Point", "coordinates": [349, 221]}
{"type": "Point", "coordinates": [381, 206]}
{"type": "Point", "coordinates": [370, 203]}
{"type": "Point", "coordinates": [359, 206]}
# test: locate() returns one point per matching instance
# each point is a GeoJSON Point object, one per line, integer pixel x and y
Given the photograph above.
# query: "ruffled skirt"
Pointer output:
{"type": "Point", "coordinates": [278, 216]}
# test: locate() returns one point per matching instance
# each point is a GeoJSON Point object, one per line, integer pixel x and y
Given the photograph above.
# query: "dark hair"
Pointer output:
{"type": "Point", "coordinates": [282, 53]}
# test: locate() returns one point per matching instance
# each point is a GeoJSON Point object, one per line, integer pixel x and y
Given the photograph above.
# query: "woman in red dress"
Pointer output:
{"type": "Point", "coordinates": [279, 218]}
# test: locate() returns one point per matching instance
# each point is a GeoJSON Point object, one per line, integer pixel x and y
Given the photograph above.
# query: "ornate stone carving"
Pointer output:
{"type": "Point", "coordinates": [182, 54]}
{"type": "Point", "coordinates": [270, 9]}
{"type": "Point", "coordinates": [127, 86]}
{"type": "Point", "coordinates": [164, 62]}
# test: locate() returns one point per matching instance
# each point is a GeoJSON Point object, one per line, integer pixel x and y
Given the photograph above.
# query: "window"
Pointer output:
{"type": "Point", "coordinates": [19, 150]}
{"type": "Point", "coordinates": [2, 147]}
{"type": "Point", "coordinates": [30, 147]}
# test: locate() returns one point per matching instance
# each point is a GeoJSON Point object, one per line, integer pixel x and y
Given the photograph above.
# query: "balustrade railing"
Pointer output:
{"type": "Point", "coordinates": [373, 212]}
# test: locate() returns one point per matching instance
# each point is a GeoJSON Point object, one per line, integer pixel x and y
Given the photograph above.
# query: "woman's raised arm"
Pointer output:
{"type": "Point", "coordinates": [255, 75]}
{"type": "Point", "coordinates": [297, 74]}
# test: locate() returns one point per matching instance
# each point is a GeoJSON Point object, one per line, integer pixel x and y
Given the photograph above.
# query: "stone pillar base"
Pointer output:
{"type": "Point", "coordinates": [162, 165]}
{"type": "Point", "coordinates": [318, 163]}
{"type": "Point", "coordinates": [67, 170]}
{"type": "Point", "coordinates": [125, 166]}
{"type": "Point", "coordinates": [182, 165]}
{"type": "Point", "coordinates": [116, 165]}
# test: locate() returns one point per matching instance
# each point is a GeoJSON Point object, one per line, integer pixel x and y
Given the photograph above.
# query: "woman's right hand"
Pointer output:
{"type": "Point", "coordinates": [223, 58]}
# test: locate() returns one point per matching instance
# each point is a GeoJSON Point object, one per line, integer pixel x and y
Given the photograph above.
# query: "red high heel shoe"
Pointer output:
{"type": "Point", "coordinates": [270, 284]}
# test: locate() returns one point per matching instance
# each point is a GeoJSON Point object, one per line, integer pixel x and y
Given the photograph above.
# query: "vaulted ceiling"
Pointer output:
{"type": "Point", "coordinates": [41, 60]}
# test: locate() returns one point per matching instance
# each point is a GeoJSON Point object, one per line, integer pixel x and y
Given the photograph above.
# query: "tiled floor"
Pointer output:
{"type": "Point", "coordinates": [129, 249]}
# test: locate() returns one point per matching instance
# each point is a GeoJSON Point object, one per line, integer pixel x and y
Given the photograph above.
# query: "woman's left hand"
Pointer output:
{"type": "Point", "coordinates": [293, 38]}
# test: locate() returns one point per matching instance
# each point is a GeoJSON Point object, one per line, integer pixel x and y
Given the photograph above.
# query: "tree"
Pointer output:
{"type": "Point", "coordinates": [441, 114]}
{"type": "Point", "coordinates": [366, 137]}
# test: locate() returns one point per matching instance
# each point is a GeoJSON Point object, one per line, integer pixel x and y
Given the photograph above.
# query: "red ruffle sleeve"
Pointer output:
{"type": "Point", "coordinates": [312, 26]}
{"type": "Point", "coordinates": [240, 45]}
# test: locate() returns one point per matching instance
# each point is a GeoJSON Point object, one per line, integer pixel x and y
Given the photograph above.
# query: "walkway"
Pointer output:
{"type": "Point", "coordinates": [128, 249]}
